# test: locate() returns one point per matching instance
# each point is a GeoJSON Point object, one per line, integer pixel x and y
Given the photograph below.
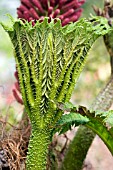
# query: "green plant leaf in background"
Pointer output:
{"type": "Point", "coordinates": [100, 122]}
{"type": "Point", "coordinates": [68, 120]}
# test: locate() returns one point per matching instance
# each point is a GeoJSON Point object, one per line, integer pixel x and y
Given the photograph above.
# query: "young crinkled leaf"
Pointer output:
{"type": "Point", "coordinates": [50, 58]}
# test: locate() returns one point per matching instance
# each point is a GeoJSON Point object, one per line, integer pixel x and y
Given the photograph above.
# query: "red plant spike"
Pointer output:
{"type": "Point", "coordinates": [16, 90]}
{"type": "Point", "coordinates": [66, 10]}
{"type": "Point", "coordinates": [33, 10]}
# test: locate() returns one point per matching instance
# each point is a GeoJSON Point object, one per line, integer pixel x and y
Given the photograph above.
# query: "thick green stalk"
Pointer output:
{"type": "Point", "coordinates": [38, 149]}
{"type": "Point", "coordinates": [79, 147]}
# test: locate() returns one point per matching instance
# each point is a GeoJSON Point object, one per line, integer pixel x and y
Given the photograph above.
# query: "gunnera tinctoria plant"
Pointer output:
{"type": "Point", "coordinates": [49, 60]}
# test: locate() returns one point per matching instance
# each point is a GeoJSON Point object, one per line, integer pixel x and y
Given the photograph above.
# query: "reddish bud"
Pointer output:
{"type": "Point", "coordinates": [52, 3]}
{"type": "Point", "coordinates": [61, 3]}
{"type": "Point", "coordinates": [65, 21]}
{"type": "Point", "coordinates": [26, 15]}
{"type": "Point", "coordinates": [57, 11]}
{"type": "Point", "coordinates": [50, 9]}
{"type": "Point", "coordinates": [17, 86]}
{"type": "Point", "coordinates": [19, 13]}
{"type": "Point", "coordinates": [34, 14]}
{"type": "Point", "coordinates": [38, 5]}
{"type": "Point", "coordinates": [68, 13]}
{"type": "Point", "coordinates": [17, 97]}
{"type": "Point", "coordinates": [22, 8]}
{"type": "Point", "coordinates": [72, 4]}
{"type": "Point", "coordinates": [16, 75]}
{"type": "Point", "coordinates": [27, 3]}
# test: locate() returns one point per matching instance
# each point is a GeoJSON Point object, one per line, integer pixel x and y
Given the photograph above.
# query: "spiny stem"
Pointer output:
{"type": "Point", "coordinates": [38, 149]}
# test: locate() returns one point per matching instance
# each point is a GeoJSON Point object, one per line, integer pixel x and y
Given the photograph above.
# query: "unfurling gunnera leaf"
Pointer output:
{"type": "Point", "coordinates": [50, 58]}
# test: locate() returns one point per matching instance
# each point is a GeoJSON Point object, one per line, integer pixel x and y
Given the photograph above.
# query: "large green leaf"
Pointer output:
{"type": "Point", "coordinates": [68, 120]}
{"type": "Point", "coordinates": [100, 122]}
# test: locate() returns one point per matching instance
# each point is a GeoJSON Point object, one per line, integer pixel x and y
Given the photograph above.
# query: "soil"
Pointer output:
{"type": "Point", "coordinates": [13, 145]}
